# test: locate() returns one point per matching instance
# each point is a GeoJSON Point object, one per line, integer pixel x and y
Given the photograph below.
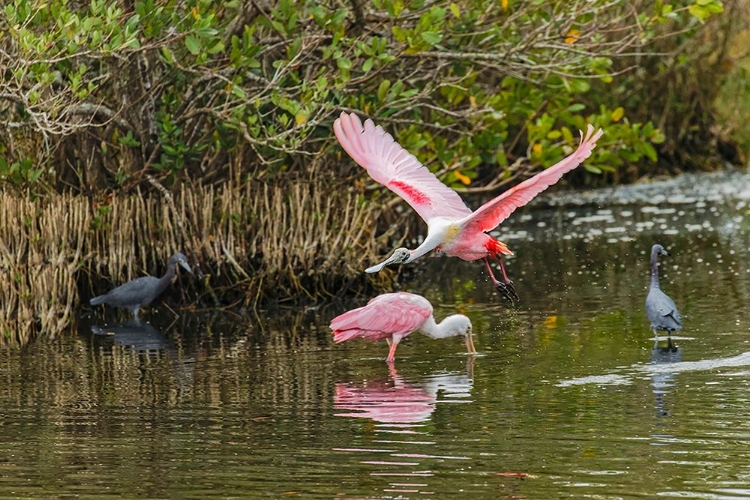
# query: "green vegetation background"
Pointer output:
{"type": "Point", "coordinates": [97, 94]}
{"type": "Point", "coordinates": [132, 129]}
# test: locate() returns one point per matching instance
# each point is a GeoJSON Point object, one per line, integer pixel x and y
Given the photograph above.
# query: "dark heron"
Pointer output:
{"type": "Point", "coordinates": [140, 292]}
{"type": "Point", "coordinates": [660, 308]}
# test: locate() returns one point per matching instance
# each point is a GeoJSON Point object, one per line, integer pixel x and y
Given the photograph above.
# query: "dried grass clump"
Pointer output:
{"type": "Point", "coordinates": [41, 249]}
{"type": "Point", "coordinates": [248, 244]}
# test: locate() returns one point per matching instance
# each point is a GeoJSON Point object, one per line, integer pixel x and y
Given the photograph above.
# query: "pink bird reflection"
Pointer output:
{"type": "Point", "coordinates": [396, 401]}
{"type": "Point", "coordinates": [382, 401]}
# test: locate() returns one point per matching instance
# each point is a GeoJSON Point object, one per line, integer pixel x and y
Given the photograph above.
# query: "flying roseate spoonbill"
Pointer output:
{"type": "Point", "coordinates": [140, 292]}
{"type": "Point", "coordinates": [393, 316]}
{"type": "Point", "coordinates": [660, 308]}
{"type": "Point", "coordinates": [451, 226]}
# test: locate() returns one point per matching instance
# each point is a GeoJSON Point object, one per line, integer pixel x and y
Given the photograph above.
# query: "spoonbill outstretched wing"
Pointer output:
{"type": "Point", "coordinates": [451, 226]}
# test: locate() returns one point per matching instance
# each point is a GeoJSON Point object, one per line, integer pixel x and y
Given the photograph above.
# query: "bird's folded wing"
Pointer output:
{"type": "Point", "coordinates": [385, 313]}
{"type": "Point", "coordinates": [670, 312]}
{"type": "Point", "coordinates": [395, 168]}
{"type": "Point", "coordinates": [495, 211]}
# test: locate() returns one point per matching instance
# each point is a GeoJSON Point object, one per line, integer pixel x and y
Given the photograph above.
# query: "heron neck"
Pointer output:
{"type": "Point", "coordinates": [654, 270]}
{"type": "Point", "coordinates": [167, 278]}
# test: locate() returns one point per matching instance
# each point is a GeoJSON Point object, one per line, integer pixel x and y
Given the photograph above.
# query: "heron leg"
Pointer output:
{"type": "Point", "coordinates": [505, 287]}
{"type": "Point", "coordinates": [135, 315]}
{"type": "Point", "coordinates": [656, 336]}
{"type": "Point", "coordinates": [670, 346]}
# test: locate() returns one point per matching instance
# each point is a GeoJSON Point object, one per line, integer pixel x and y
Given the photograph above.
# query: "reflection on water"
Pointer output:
{"type": "Point", "coordinates": [385, 401]}
{"type": "Point", "coordinates": [396, 401]}
{"type": "Point", "coordinates": [400, 410]}
{"type": "Point", "coordinates": [566, 399]}
{"type": "Point", "coordinates": [666, 364]}
{"type": "Point", "coordinates": [137, 336]}
{"type": "Point", "coordinates": [662, 382]}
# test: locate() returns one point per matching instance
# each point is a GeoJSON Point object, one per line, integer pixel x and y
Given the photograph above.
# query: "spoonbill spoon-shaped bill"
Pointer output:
{"type": "Point", "coordinates": [140, 292]}
{"type": "Point", "coordinates": [393, 316]}
{"type": "Point", "coordinates": [660, 308]}
{"type": "Point", "coordinates": [451, 226]}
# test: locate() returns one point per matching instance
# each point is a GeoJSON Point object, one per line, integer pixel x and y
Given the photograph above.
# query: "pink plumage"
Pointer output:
{"type": "Point", "coordinates": [452, 227]}
{"type": "Point", "coordinates": [392, 166]}
{"type": "Point", "coordinates": [383, 317]}
{"type": "Point", "coordinates": [393, 316]}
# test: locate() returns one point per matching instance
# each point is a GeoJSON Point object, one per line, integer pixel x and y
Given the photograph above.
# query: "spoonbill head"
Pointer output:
{"type": "Point", "coordinates": [399, 256]}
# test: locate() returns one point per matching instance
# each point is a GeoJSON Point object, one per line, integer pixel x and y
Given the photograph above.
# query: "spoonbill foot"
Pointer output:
{"type": "Point", "coordinates": [508, 291]}
{"type": "Point", "coordinates": [505, 287]}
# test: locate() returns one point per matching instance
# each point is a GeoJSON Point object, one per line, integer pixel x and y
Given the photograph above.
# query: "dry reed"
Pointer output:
{"type": "Point", "coordinates": [251, 243]}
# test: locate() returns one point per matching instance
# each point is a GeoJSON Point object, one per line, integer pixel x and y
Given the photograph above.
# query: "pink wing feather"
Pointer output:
{"type": "Point", "coordinates": [395, 168]}
{"type": "Point", "coordinates": [492, 213]}
{"type": "Point", "coordinates": [391, 313]}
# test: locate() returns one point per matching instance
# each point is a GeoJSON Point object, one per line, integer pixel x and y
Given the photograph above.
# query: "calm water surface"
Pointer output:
{"type": "Point", "coordinates": [565, 399]}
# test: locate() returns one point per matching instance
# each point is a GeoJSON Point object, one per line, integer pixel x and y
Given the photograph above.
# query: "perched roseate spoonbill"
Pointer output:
{"type": "Point", "coordinates": [393, 316]}
{"type": "Point", "coordinates": [660, 308]}
{"type": "Point", "coordinates": [451, 226]}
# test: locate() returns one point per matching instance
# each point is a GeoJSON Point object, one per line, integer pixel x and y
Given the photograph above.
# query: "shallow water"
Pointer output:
{"type": "Point", "coordinates": [566, 397]}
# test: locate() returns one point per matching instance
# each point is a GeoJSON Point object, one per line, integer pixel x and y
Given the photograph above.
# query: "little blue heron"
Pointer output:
{"type": "Point", "coordinates": [660, 308]}
{"type": "Point", "coordinates": [140, 292]}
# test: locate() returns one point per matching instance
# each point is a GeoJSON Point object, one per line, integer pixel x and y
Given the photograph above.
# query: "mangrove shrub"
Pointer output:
{"type": "Point", "coordinates": [98, 93]}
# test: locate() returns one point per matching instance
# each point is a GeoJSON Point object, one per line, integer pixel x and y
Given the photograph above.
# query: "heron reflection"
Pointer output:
{"type": "Point", "coordinates": [663, 381]}
{"type": "Point", "coordinates": [140, 337]}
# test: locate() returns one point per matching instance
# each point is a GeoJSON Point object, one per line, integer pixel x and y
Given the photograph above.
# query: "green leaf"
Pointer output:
{"type": "Point", "coordinates": [218, 47]}
{"type": "Point", "coordinates": [236, 90]}
{"type": "Point", "coordinates": [400, 34]}
{"type": "Point", "coordinates": [699, 12]}
{"type": "Point", "coordinates": [578, 86]}
{"type": "Point", "coordinates": [192, 45]}
{"type": "Point", "coordinates": [431, 37]}
{"type": "Point", "coordinates": [567, 135]}
{"type": "Point", "coordinates": [383, 88]}
{"type": "Point", "coordinates": [650, 152]}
